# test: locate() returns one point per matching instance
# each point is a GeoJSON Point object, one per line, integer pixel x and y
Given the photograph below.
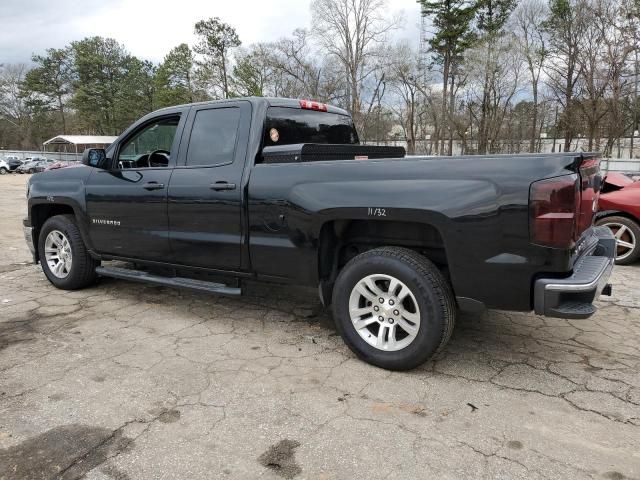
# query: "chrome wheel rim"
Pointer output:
{"type": "Point", "coordinates": [57, 252]}
{"type": "Point", "coordinates": [384, 312]}
{"type": "Point", "coordinates": [625, 239]}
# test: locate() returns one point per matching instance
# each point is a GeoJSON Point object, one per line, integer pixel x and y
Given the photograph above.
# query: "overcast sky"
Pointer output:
{"type": "Point", "coordinates": [150, 28]}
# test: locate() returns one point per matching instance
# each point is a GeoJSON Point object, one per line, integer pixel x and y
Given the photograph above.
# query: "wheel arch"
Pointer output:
{"type": "Point", "coordinates": [616, 213]}
{"type": "Point", "coordinates": [341, 239]}
{"type": "Point", "coordinates": [40, 212]}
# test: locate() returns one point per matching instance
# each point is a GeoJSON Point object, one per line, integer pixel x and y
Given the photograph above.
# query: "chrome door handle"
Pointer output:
{"type": "Point", "coordinates": [223, 186]}
{"type": "Point", "coordinates": [153, 186]}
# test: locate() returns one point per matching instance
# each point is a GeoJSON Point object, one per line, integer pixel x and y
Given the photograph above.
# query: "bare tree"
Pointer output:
{"type": "Point", "coordinates": [527, 21]}
{"type": "Point", "coordinates": [13, 105]}
{"type": "Point", "coordinates": [494, 80]}
{"type": "Point", "coordinates": [352, 31]}
{"type": "Point", "coordinates": [405, 81]}
{"type": "Point", "coordinates": [565, 26]}
{"type": "Point", "coordinates": [618, 30]}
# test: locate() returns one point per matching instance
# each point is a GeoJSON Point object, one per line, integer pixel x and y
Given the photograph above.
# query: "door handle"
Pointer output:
{"type": "Point", "coordinates": [153, 186]}
{"type": "Point", "coordinates": [223, 186]}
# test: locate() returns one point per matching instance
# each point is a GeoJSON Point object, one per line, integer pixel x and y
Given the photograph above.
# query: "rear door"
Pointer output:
{"type": "Point", "coordinates": [205, 195]}
{"type": "Point", "coordinates": [127, 203]}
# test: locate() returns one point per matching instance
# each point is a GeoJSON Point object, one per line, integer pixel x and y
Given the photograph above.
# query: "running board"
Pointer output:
{"type": "Point", "coordinates": [177, 282]}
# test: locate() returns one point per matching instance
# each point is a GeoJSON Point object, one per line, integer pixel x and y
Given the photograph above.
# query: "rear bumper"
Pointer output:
{"type": "Point", "coordinates": [573, 297]}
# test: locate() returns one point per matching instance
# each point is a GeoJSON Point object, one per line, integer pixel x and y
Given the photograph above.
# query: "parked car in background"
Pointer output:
{"type": "Point", "coordinates": [36, 165]}
{"type": "Point", "coordinates": [4, 167]}
{"type": "Point", "coordinates": [619, 210]}
{"type": "Point", "coordinates": [14, 162]}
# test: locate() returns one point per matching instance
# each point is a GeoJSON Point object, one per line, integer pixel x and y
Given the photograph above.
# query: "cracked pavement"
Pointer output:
{"type": "Point", "coordinates": [129, 381]}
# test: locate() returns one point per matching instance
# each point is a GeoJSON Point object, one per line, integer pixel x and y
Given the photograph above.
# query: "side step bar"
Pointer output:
{"type": "Point", "coordinates": [177, 282]}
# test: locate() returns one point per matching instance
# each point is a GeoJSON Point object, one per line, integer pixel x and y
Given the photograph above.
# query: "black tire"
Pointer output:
{"type": "Point", "coordinates": [432, 293]}
{"type": "Point", "coordinates": [83, 267]}
{"type": "Point", "coordinates": [632, 235]}
{"type": "Point", "coordinates": [3, 171]}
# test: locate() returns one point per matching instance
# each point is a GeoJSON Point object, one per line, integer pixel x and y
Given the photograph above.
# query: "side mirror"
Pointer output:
{"type": "Point", "coordinates": [94, 157]}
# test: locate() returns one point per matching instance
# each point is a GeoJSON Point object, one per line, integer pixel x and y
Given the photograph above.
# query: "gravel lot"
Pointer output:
{"type": "Point", "coordinates": [126, 381]}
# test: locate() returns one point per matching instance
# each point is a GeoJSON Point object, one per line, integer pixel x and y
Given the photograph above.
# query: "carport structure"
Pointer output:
{"type": "Point", "coordinates": [76, 141]}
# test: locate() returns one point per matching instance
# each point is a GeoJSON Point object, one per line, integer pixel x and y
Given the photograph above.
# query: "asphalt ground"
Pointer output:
{"type": "Point", "coordinates": [129, 381]}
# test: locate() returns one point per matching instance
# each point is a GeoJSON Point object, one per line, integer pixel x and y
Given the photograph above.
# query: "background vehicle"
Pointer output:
{"type": "Point", "coordinates": [619, 210]}
{"type": "Point", "coordinates": [4, 167]}
{"type": "Point", "coordinates": [281, 190]}
{"type": "Point", "coordinates": [13, 161]}
{"type": "Point", "coordinates": [34, 166]}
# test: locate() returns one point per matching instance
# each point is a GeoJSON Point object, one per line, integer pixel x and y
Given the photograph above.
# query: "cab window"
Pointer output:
{"type": "Point", "coordinates": [150, 147]}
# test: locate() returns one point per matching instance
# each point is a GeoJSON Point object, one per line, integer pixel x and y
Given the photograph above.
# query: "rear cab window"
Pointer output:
{"type": "Point", "coordinates": [288, 126]}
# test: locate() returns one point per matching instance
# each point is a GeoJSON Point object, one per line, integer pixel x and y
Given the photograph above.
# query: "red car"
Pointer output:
{"type": "Point", "coordinates": [619, 209]}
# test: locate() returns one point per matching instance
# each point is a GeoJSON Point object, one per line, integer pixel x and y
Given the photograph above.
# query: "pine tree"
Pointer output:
{"type": "Point", "coordinates": [174, 78]}
{"type": "Point", "coordinates": [47, 86]}
{"type": "Point", "coordinates": [217, 39]}
{"type": "Point", "coordinates": [453, 36]}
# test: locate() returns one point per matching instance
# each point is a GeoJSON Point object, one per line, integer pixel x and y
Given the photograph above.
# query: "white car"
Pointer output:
{"type": "Point", "coordinates": [4, 167]}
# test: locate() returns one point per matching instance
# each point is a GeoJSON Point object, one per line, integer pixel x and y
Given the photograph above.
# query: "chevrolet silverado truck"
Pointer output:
{"type": "Point", "coordinates": [281, 190]}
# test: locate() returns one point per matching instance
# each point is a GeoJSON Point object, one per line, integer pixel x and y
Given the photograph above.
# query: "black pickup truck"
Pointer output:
{"type": "Point", "coordinates": [281, 190]}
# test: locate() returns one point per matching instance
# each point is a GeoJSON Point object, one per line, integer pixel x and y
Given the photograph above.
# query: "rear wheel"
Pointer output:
{"type": "Point", "coordinates": [63, 255]}
{"type": "Point", "coordinates": [627, 233]}
{"type": "Point", "coordinates": [393, 308]}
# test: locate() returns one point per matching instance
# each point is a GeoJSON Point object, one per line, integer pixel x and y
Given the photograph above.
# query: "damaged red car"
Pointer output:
{"type": "Point", "coordinates": [619, 209]}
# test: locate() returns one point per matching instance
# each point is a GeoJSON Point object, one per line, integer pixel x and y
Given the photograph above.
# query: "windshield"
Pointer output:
{"type": "Point", "coordinates": [286, 126]}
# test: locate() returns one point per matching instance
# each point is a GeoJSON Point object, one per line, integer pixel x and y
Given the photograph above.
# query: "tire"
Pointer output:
{"type": "Point", "coordinates": [3, 171]}
{"type": "Point", "coordinates": [429, 308]}
{"type": "Point", "coordinates": [31, 170]}
{"type": "Point", "coordinates": [82, 270]}
{"type": "Point", "coordinates": [627, 231]}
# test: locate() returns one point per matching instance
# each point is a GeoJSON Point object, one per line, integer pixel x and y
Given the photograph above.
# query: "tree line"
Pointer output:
{"type": "Point", "coordinates": [493, 76]}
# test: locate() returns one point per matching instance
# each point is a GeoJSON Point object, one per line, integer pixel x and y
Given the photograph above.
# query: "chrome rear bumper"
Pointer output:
{"type": "Point", "coordinates": [573, 297]}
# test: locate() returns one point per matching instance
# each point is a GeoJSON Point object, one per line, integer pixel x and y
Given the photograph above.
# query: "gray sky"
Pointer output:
{"type": "Point", "coordinates": [150, 28]}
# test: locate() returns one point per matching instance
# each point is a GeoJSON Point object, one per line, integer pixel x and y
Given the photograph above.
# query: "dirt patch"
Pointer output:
{"type": "Point", "coordinates": [170, 416]}
{"type": "Point", "coordinates": [281, 458]}
{"type": "Point", "coordinates": [62, 453]}
{"type": "Point", "coordinates": [17, 331]}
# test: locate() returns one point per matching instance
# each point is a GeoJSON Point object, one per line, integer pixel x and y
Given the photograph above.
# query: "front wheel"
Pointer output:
{"type": "Point", "coordinates": [63, 255]}
{"type": "Point", "coordinates": [627, 233]}
{"type": "Point", "coordinates": [3, 171]}
{"type": "Point", "coordinates": [393, 308]}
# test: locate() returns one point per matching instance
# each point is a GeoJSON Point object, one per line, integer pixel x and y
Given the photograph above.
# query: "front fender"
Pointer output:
{"type": "Point", "coordinates": [56, 188]}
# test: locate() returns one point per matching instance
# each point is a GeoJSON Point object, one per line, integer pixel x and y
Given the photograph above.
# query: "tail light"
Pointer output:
{"type": "Point", "coordinates": [554, 209]}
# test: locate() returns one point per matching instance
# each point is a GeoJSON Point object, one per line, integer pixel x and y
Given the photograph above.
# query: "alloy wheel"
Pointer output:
{"type": "Point", "coordinates": [625, 239]}
{"type": "Point", "coordinates": [57, 252]}
{"type": "Point", "coordinates": [384, 312]}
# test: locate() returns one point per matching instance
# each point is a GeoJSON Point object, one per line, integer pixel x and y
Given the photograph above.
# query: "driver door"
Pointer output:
{"type": "Point", "coordinates": [127, 203]}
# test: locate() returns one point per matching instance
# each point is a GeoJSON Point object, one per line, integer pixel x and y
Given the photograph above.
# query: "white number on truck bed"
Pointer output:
{"type": "Point", "coordinates": [376, 212]}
